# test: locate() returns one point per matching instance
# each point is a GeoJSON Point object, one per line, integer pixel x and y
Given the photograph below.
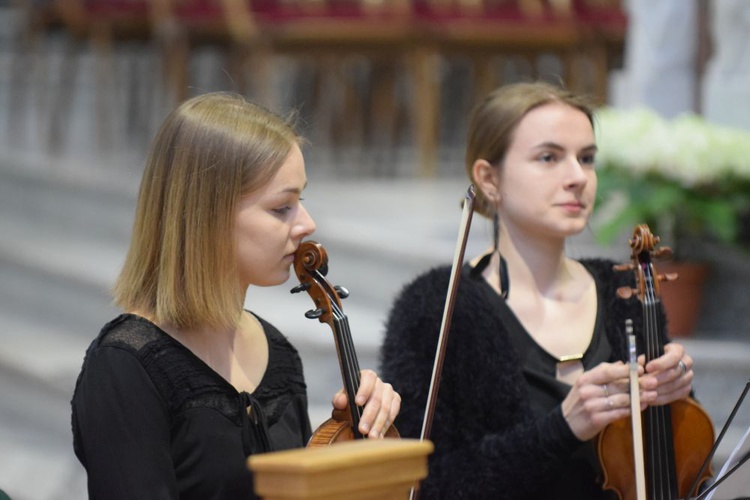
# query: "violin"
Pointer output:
{"type": "Point", "coordinates": [311, 267]}
{"type": "Point", "coordinates": [676, 438]}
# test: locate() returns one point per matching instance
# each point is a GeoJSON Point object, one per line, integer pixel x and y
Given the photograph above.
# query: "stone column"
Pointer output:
{"type": "Point", "coordinates": [726, 84]}
{"type": "Point", "coordinates": [660, 56]}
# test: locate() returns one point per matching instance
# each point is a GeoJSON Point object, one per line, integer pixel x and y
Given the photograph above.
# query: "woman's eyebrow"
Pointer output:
{"type": "Point", "coordinates": [554, 145]}
{"type": "Point", "coordinates": [292, 189]}
{"type": "Point", "coordinates": [548, 145]}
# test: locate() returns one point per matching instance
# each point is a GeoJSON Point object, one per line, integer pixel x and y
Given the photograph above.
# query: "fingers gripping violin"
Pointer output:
{"type": "Point", "coordinates": [311, 267]}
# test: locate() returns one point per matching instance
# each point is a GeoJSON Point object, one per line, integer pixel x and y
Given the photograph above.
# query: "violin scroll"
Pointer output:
{"type": "Point", "coordinates": [643, 250]}
{"type": "Point", "coordinates": [311, 266]}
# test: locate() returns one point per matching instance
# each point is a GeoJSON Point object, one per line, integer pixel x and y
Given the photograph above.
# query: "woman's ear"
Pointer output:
{"type": "Point", "coordinates": [486, 179]}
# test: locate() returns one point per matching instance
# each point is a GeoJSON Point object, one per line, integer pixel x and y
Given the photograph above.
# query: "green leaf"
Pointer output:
{"type": "Point", "coordinates": [717, 217]}
{"type": "Point", "coordinates": [613, 227]}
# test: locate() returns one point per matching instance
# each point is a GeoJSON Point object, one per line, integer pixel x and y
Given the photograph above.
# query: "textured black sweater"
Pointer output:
{"type": "Point", "coordinates": [488, 444]}
{"type": "Point", "coordinates": [152, 420]}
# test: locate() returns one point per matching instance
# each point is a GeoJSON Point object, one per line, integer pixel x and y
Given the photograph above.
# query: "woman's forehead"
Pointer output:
{"type": "Point", "coordinates": [551, 122]}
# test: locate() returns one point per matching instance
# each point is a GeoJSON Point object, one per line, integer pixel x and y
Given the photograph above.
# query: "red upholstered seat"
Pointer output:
{"type": "Point", "coordinates": [117, 7]}
{"type": "Point", "coordinates": [200, 19]}
{"type": "Point", "coordinates": [107, 18]}
{"type": "Point", "coordinates": [390, 39]}
{"type": "Point", "coordinates": [606, 17]}
{"type": "Point", "coordinates": [121, 17]}
{"type": "Point", "coordinates": [439, 11]}
{"type": "Point", "coordinates": [280, 11]}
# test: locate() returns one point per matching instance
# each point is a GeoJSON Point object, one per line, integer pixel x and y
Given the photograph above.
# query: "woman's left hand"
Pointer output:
{"type": "Point", "coordinates": [381, 404]}
{"type": "Point", "coordinates": [671, 374]}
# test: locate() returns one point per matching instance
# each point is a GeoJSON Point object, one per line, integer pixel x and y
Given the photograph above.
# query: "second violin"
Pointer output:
{"type": "Point", "coordinates": [676, 438]}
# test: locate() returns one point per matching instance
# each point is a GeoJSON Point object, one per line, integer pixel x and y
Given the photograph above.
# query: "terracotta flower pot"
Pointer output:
{"type": "Point", "coordinates": [682, 298]}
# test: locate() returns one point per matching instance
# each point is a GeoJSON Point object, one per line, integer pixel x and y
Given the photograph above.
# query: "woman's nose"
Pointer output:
{"type": "Point", "coordinates": [305, 223]}
{"type": "Point", "coordinates": [576, 174]}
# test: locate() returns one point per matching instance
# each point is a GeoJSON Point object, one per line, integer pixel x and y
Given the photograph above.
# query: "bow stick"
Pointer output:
{"type": "Point", "coordinates": [437, 368]}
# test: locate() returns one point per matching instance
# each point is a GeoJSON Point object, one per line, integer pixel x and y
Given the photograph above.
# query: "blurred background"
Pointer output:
{"type": "Point", "coordinates": [383, 89]}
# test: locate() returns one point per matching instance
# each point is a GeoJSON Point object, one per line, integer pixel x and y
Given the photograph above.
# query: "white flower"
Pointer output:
{"type": "Point", "coordinates": [687, 149]}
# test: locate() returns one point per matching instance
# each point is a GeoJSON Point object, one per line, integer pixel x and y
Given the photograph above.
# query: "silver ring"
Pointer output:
{"type": "Point", "coordinates": [682, 367]}
{"type": "Point", "coordinates": [606, 390]}
{"type": "Point", "coordinates": [609, 403]}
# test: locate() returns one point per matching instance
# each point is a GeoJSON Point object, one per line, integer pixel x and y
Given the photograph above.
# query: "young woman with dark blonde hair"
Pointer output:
{"type": "Point", "coordinates": [532, 371]}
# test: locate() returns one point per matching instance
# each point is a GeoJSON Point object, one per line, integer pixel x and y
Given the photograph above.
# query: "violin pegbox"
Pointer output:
{"type": "Point", "coordinates": [644, 248]}
{"type": "Point", "coordinates": [311, 267]}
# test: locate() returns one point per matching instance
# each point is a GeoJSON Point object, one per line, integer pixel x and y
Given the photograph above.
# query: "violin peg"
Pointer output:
{"type": "Point", "coordinates": [302, 287]}
{"type": "Point", "coordinates": [314, 313]}
{"type": "Point", "coordinates": [341, 291]}
{"type": "Point", "coordinates": [668, 277]}
{"type": "Point", "coordinates": [625, 292]}
{"type": "Point", "coordinates": [623, 267]}
{"type": "Point", "coordinates": [663, 253]}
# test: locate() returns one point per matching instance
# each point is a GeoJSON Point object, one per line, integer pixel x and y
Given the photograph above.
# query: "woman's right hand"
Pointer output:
{"type": "Point", "coordinates": [599, 397]}
{"type": "Point", "coordinates": [381, 404]}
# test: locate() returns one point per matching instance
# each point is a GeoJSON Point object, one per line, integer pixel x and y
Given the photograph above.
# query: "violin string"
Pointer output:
{"type": "Point", "coordinates": [664, 478]}
{"type": "Point", "coordinates": [652, 417]}
{"type": "Point", "coordinates": [351, 364]}
{"type": "Point", "coordinates": [350, 381]}
{"type": "Point", "coordinates": [344, 347]}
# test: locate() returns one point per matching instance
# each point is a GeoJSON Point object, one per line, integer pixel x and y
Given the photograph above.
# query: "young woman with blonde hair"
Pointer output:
{"type": "Point", "coordinates": [180, 389]}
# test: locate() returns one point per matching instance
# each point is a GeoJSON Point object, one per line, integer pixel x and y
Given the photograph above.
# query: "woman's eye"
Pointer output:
{"type": "Point", "coordinates": [284, 210]}
{"type": "Point", "coordinates": [587, 160]}
{"type": "Point", "coordinates": [547, 157]}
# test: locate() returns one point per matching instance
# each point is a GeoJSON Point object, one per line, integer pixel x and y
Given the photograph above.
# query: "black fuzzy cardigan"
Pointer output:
{"type": "Point", "coordinates": [487, 443]}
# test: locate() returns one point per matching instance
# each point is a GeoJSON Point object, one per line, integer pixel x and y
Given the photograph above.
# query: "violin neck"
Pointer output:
{"type": "Point", "coordinates": [652, 323]}
{"type": "Point", "coordinates": [660, 456]}
{"type": "Point", "coordinates": [349, 364]}
{"type": "Point", "coordinates": [653, 347]}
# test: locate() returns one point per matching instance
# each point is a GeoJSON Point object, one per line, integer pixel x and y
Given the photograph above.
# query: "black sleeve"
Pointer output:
{"type": "Point", "coordinates": [123, 429]}
{"type": "Point", "coordinates": [486, 443]}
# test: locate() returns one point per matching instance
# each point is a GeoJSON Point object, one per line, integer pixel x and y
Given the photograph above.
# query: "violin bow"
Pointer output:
{"type": "Point", "coordinates": [719, 480]}
{"type": "Point", "coordinates": [450, 299]}
{"type": "Point", "coordinates": [635, 415]}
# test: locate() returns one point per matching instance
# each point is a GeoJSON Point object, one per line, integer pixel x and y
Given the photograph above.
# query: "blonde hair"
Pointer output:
{"type": "Point", "coordinates": [494, 120]}
{"type": "Point", "coordinates": [180, 268]}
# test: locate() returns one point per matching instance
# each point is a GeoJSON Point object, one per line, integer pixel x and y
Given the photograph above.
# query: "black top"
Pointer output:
{"type": "Point", "coordinates": [581, 474]}
{"type": "Point", "coordinates": [152, 420]}
{"type": "Point", "coordinates": [492, 437]}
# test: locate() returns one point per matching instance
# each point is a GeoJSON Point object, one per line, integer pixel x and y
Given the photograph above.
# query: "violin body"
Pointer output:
{"type": "Point", "coordinates": [338, 428]}
{"type": "Point", "coordinates": [692, 439]}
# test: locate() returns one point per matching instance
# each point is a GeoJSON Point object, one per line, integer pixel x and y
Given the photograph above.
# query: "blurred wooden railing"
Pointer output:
{"type": "Point", "coordinates": [396, 38]}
